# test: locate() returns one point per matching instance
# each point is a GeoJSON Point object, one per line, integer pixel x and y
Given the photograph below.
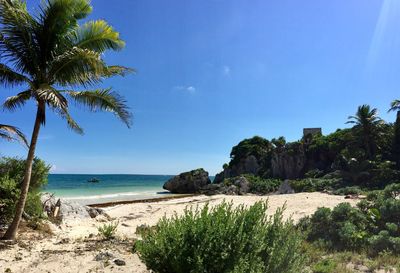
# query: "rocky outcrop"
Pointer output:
{"type": "Point", "coordinates": [188, 182]}
{"type": "Point", "coordinates": [285, 188]}
{"type": "Point", "coordinates": [288, 165]}
{"type": "Point", "coordinates": [239, 186]}
{"type": "Point", "coordinates": [61, 209]}
{"type": "Point", "coordinates": [247, 165]}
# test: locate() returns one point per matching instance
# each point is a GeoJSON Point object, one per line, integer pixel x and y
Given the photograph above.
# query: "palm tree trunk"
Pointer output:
{"type": "Point", "coordinates": [12, 229]}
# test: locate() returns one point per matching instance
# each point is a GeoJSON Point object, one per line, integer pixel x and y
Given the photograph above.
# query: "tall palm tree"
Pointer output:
{"type": "Point", "coordinates": [50, 54]}
{"type": "Point", "coordinates": [11, 133]}
{"type": "Point", "coordinates": [366, 123]}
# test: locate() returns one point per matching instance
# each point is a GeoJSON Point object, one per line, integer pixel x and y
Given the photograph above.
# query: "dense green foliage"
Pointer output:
{"type": "Point", "coordinates": [314, 184]}
{"type": "Point", "coordinates": [223, 239]}
{"type": "Point", "coordinates": [257, 185]}
{"type": "Point", "coordinates": [260, 185]}
{"type": "Point", "coordinates": [373, 225]}
{"type": "Point", "coordinates": [256, 146]}
{"type": "Point", "coordinates": [11, 175]}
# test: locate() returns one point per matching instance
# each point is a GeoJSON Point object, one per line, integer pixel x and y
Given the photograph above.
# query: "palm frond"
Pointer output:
{"type": "Point", "coordinates": [97, 36]}
{"type": "Point", "coordinates": [52, 98]}
{"type": "Point", "coordinates": [8, 77]}
{"type": "Point", "coordinates": [56, 19]}
{"type": "Point", "coordinates": [11, 133]}
{"type": "Point", "coordinates": [17, 101]}
{"type": "Point", "coordinates": [77, 67]}
{"type": "Point", "coordinates": [72, 124]}
{"type": "Point", "coordinates": [17, 41]}
{"type": "Point", "coordinates": [117, 70]}
{"type": "Point", "coordinates": [394, 105]}
{"type": "Point", "coordinates": [104, 100]}
{"type": "Point", "coordinates": [83, 67]}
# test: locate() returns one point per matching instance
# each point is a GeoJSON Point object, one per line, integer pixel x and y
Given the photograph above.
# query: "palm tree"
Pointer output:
{"type": "Point", "coordinates": [50, 54]}
{"type": "Point", "coordinates": [12, 133]}
{"type": "Point", "coordinates": [366, 123]}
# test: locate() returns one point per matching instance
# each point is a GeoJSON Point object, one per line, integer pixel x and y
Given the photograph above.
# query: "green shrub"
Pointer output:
{"type": "Point", "coordinates": [11, 175]}
{"type": "Point", "coordinates": [324, 266]}
{"type": "Point", "coordinates": [107, 231]}
{"type": "Point", "coordinates": [259, 185]}
{"type": "Point", "coordinates": [314, 173]}
{"type": "Point", "coordinates": [223, 239]}
{"type": "Point", "coordinates": [384, 242]}
{"type": "Point", "coordinates": [348, 190]}
{"type": "Point", "coordinates": [314, 184]}
{"type": "Point", "coordinates": [372, 226]}
{"type": "Point", "coordinates": [9, 194]}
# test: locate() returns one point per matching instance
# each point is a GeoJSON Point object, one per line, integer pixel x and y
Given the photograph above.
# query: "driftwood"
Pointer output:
{"type": "Point", "coordinates": [57, 208]}
{"type": "Point", "coordinates": [47, 200]}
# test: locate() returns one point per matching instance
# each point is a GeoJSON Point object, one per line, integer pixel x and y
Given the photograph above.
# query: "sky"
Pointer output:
{"type": "Point", "coordinates": [211, 73]}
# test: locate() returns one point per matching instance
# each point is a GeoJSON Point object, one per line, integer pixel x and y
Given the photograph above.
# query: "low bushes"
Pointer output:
{"type": "Point", "coordinates": [257, 185]}
{"type": "Point", "coordinates": [223, 239]}
{"type": "Point", "coordinates": [260, 185]}
{"type": "Point", "coordinates": [314, 184]}
{"type": "Point", "coordinates": [11, 175]}
{"type": "Point", "coordinates": [374, 225]}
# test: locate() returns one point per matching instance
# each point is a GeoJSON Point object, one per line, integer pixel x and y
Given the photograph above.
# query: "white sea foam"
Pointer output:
{"type": "Point", "coordinates": [111, 196]}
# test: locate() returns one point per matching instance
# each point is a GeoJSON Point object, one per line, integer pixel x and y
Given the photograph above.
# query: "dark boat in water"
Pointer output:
{"type": "Point", "coordinates": [93, 180]}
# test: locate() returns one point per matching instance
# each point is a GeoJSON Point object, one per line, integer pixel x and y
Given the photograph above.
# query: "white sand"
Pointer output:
{"type": "Point", "coordinates": [76, 253]}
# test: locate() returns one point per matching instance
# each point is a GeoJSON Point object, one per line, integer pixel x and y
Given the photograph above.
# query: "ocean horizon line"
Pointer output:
{"type": "Point", "coordinates": [112, 174]}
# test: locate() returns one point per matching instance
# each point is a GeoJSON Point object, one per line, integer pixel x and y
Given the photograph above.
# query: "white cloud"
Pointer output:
{"type": "Point", "coordinates": [226, 70]}
{"type": "Point", "coordinates": [191, 89]}
{"type": "Point", "coordinates": [186, 88]}
{"type": "Point", "coordinates": [53, 168]}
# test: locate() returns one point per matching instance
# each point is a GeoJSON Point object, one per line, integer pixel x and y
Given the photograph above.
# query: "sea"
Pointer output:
{"type": "Point", "coordinates": [109, 188]}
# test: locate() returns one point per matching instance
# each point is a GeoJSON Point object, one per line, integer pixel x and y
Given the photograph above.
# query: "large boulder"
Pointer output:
{"type": "Point", "coordinates": [285, 188]}
{"type": "Point", "coordinates": [188, 182]}
{"type": "Point", "coordinates": [243, 184]}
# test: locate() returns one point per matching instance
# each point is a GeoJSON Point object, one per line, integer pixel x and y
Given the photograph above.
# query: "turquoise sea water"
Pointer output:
{"type": "Point", "coordinates": [109, 188]}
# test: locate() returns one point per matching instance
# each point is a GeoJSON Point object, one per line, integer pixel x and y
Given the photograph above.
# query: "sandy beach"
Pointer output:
{"type": "Point", "coordinates": [75, 243]}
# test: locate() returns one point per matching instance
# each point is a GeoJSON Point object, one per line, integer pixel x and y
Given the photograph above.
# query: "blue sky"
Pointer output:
{"type": "Point", "coordinates": [211, 73]}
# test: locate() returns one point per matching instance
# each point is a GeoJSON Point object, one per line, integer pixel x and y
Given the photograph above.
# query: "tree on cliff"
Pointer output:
{"type": "Point", "coordinates": [49, 54]}
{"type": "Point", "coordinates": [395, 106]}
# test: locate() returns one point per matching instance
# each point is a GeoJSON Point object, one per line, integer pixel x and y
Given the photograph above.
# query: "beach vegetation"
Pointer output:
{"type": "Point", "coordinates": [223, 239]}
{"type": "Point", "coordinates": [257, 184]}
{"type": "Point", "coordinates": [55, 61]}
{"type": "Point", "coordinates": [11, 176]}
{"type": "Point", "coordinates": [373, 226]}
{"type": "Point", "coordinates": [107, 231]}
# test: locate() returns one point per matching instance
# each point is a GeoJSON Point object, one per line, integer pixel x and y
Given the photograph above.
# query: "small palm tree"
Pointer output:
{"type": "Point", "coordinates": [50, 54]}
{"type": "Point", "coordinates": [12, 133]}
{"type": "Point", "coordinates": [366, 123]}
